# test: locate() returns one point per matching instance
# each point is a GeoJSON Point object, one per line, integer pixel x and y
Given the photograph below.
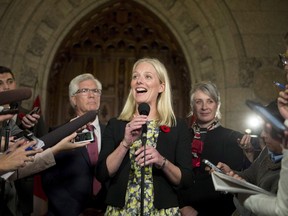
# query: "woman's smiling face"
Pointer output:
{"type": "Point", "coordinates": [205, 108]}
{"type": "Point", "coordinates": [145, 84]}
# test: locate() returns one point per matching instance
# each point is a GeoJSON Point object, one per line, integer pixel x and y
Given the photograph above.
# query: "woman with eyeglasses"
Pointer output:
{"type": "Point", "coordinates": [214, 143]}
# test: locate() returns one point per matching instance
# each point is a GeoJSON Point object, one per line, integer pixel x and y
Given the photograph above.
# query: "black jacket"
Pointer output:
{"type": "Point", "coordinates": [175, 146]}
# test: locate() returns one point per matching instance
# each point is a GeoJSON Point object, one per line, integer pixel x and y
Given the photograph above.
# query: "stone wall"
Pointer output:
{"type": "Point", "coordinates": [233, 43]}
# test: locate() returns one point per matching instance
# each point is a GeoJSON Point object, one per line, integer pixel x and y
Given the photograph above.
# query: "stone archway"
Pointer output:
{"type": "Point", "coordinates": [106, 43]}
{"type": "Point", "coordinates": [32, 34]}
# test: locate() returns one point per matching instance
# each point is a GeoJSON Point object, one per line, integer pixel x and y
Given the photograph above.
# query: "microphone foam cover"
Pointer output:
{"type": "Point", "coordinates": [144, 109]}
{"type": "Point", "coordinates": [58, 134]}
{"type": "Point", "coordinates": [7, 97]}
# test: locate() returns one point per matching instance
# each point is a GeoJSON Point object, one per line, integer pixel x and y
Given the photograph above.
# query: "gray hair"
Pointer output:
{"type": "Point", "coordinates": [209, 89]}
{"type": "Point", "coordinates": [74, 83]}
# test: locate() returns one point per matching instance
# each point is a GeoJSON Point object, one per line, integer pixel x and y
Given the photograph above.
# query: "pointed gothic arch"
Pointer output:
{"type": "Point", "coordinates": [206, 32]}
{"type": "Point", "coordinates": [106, 43]}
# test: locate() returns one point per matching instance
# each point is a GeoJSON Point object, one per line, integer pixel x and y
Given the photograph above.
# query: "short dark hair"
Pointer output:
{"type": "Point", "coordinates": [4, 69]}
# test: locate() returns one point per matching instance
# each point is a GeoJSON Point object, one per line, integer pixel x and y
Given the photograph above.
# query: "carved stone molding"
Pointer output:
{"type": "Point", "coordinates": [246, 71]}
{"type": "Point", "coordinates": [263, 87]}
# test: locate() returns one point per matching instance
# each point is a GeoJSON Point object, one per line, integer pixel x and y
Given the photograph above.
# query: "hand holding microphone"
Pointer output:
{"type": "Point", "coordinates": [137, 126]}
{"type": "Point", "coordinates": [133, 130]}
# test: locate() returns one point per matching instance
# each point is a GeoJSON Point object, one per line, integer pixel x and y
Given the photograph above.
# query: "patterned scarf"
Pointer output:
{"type": "Point", "coordinates": [198, 141]}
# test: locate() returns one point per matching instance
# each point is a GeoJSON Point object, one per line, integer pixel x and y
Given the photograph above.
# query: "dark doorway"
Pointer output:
{"type": "Point", "coordinates": [106, 43]}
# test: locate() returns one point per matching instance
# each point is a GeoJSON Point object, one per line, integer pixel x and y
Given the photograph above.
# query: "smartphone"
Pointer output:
{"type": "Point", "coordinates": [84, 136]}
{"type": "Point", "coordinates": [35, 110]}
{"type": "Point", "coordinates": [211, 165]}
{"type": "Point", "coordinates": [278, 127]}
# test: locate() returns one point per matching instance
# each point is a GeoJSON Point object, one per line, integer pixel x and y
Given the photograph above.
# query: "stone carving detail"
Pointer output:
{"type": "Point", "coordinates": [168, 4]}
{"type": "Point", "coordinates": [75, 3]}
{"type": "Point", "coordinates": [51, 21]}
{"type": "Point", "coordinates": [246, 71]}
{"type": "Point", "coordinates": [37, 45]}
{"type": "Point", "coordinates": [28, 77]}
{"type": "Point", "coordinates": [188, 24]}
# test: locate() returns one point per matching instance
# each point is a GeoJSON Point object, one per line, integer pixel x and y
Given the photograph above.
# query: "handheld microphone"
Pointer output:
{"type": "Point", "coordinates": [8, 97]}
{"type": "Point", "coordinates": [58, 134]}
{"type": "Point", "coordinates": [144, 109]}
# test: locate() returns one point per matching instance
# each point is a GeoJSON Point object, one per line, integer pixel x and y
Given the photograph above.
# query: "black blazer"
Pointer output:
{"type": "Point", "coordinates": [68, 185]}
{"type": "Point", "coordinates": [175, 146]}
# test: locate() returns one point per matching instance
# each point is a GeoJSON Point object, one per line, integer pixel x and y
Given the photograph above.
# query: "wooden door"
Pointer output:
{"type": "Point", "coordinates": [107, 45]}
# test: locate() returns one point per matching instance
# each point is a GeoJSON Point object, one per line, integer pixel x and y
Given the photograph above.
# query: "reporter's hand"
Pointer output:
{"type": "Point", "coordinates": [5, 117]}
{"type": "Point", "coordinates": [234, 175]}
{"type": "Point", "coordinates": [245, 142]}
{"type": "Point", "coordinates": [67, 144]}
{"type": "Point", "coordinates": [30, 121]}
{"type": "Point", "coordinates": [17, 156]}
{"type": "Point", "coordinates": [282, 102]}
{"type": "Point", "coordinates": [224, 167]}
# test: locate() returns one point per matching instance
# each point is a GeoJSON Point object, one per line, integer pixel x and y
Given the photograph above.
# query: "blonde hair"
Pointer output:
{"type": "Point", "coordinates": [209, 89]}
{"type": "Point", "coordinates": [164, 101]}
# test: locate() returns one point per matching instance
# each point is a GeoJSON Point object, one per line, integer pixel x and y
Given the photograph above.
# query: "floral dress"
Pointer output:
{"type": "Point", "coordinates": [132, 205]}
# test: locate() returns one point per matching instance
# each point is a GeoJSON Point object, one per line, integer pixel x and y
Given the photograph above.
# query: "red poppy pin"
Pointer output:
{"type": "Point", "coordinates": [165, 128]}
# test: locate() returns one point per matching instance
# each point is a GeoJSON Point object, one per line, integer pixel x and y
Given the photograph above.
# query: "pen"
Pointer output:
{"type": "Point", "coordinates": [279, 85]}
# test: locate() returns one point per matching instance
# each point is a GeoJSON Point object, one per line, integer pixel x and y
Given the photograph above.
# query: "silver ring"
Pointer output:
{"type": "Point", "coordinates": [151, 157]}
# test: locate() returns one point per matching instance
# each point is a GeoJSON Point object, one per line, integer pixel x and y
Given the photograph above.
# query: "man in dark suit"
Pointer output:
{"type": "Point", "coordinates": [70, 185]}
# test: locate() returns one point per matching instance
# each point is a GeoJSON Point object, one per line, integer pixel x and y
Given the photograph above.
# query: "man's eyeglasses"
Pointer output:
{"type": "Point", "coordinates": [283, 59]}
{"type": "Point", "coordinates": [86, 91]}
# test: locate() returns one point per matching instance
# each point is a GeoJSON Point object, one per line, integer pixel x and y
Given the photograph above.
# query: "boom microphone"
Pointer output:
{"type": "Point", "coordinates": [8, 97]}
{"type": "Point", "coordinates": [58, 134]}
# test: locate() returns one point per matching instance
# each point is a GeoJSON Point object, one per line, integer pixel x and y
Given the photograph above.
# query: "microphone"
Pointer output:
{"type": "Point", "coordinates": [144, 109]}
{"type": "Point", "coordinates": [58, 134]}
{"type": "Point", "coordinates": [8, 97]}
{"type": "Point", "coordinates": [13, 109]}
